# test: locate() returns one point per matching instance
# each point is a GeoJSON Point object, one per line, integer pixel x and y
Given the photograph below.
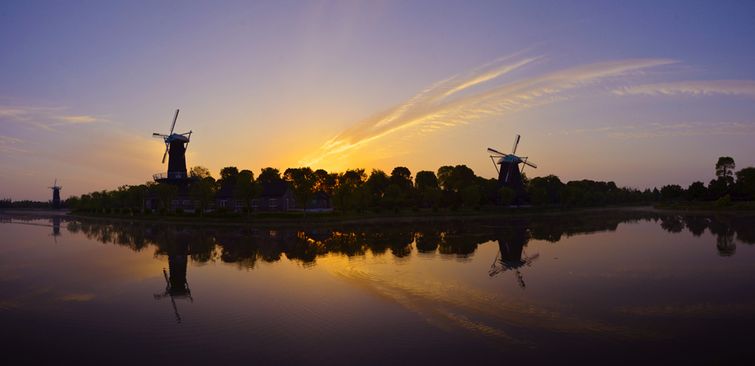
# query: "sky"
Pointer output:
{"type": "Point", "coordinates": [642, 93]}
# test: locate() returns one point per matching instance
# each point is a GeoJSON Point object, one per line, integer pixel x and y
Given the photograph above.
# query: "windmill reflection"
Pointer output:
{"type": "Point", "coordinates": [176, 286]}
{"type": "Point", "coordinates": [511, 256]}
{"type": "Point", "coordinates": [55, 228]}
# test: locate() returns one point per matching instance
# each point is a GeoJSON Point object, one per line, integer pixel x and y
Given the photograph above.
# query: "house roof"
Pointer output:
{"type": "Point", "coordinates": [274, 190]}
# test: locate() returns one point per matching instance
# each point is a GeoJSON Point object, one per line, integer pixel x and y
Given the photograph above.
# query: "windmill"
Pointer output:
{"type": "Point", "coordinates": [55, 194]}
{"type": "Point", "coordinates": [509, 173]}
{"type": "Point", "coordinates": [175, 147]}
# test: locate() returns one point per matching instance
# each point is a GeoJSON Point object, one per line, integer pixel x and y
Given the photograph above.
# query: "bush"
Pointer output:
{"type": "Point", "coordinates": [724, 201]}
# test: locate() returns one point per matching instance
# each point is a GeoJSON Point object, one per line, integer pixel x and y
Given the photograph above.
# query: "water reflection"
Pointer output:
{"type": "Point", "coordinates": [376, 281]}
{"type": "Point", "coordinates": [56, 227]}
{"type": "Point", "coordinates": [176, 285]}
{"type": "Point", "coordinates": [246, 246]}
{"type": "Point", "coordinates": [511, 256]}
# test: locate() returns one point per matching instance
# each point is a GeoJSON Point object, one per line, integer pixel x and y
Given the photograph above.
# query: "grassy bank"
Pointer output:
{"type": "Point", "coordinates": [298, 218]}
{"type": "Point", "coordinates": [708, 206]}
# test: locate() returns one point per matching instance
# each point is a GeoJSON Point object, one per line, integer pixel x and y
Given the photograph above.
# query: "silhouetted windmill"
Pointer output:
{"type": "Point", "coordinates": [509, 173]}
{"type": "Point", "coordinates": [55, 194]}
{"type": "Point", "coordinates": [175, 146]}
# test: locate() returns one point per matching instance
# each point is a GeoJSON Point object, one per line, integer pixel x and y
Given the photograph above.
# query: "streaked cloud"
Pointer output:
{"type": "Point", "coordinates": [10, 144]}
{"type": "Point", "coordinates": [462, 99]}
{"type": "Point", "coordinates": [78, 119]}
{"type": "Point", "coordinates": [693, 88]}
{"type": "Point", "coordinates": [45, 118]}
{"type": "Point", "coordinates": [659, 130]}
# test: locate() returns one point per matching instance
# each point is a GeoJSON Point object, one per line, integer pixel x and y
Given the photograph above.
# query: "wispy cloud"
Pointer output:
{"type": "Point", "coordinates": [10, 144]}
{"type": "Point", "coordinates": [78, 119]}
{"type": "Point", "coordinates": [459, 100]}
{"type": "Point", "coordinates": [659, 130]}
{"type": "Point", "coordinates": [693, 88]}
{"type": "Point", "coordinates": [45, 118]}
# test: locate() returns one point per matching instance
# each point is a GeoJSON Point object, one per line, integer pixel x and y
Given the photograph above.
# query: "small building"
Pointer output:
{"type": "Point", "coordinates": [320, 201]}
{"type": "Point", "coordinates": [276, 196]}
{"type": "Point", "coordinates": [225, 199]}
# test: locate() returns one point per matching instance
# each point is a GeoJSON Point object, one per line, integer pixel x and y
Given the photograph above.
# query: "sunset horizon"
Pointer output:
{"type": "Point", "coordinates": [339, 86]}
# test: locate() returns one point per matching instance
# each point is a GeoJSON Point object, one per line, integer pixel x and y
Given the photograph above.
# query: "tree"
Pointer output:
{"type": "Point", "coordinates": [402, 177]}
{"type": "Point", "coordinates": [199, 172]}
{"type": "Point", "coordinates": [245, 189]}
{"type": "Point", "coordinates": [269, 175]}
{"type": "Point", "coordinates": [393, 197]}
{"type": "Point", "coordinates": [166, 193]}
{"type": "Point", "coordinates": [672, 192]}
{"type": "Point", "coordinates": [375, 187]}
{"type": "Point", "coordinates": [425, 180]}
{"type": "Point", "coordinates": [349, 193]}
{"type": "Point", "coordinates": [228, 176]}
{"type": "Point", "coordinates": [470, 196]}
{"type": "Point", "coordinates": [203, 191]}
{"type": "Point", "coordinates": [545, 190]}
{"type": "Point", "coordinates": [697, 191]}
{"type": "Point", "coordinates": [444, 176]}
{"type": "Point", "coordinates": [426, 184]}
{"type": "Point", "coordinates": [325, 182]}
{"type": "Point", "coordinates": [725, 167]}
{"type": "Point", "coordinates": [746, 183]}
{"type": "Point", "coordinates": [718, 188]}
{"type": "Point", "coordinates": [461, 177]}
{"type": "Point", "coordinates": [302, 181]}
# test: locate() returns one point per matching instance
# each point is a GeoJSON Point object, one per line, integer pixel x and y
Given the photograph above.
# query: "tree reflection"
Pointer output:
{"type": "Point", "coordinates": [248, 246]}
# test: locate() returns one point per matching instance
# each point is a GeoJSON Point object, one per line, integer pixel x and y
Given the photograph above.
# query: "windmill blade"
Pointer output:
{"type": "Point", "coordinates": [166, 153]}
{"type": "Point", "coordinates": [530, 164]}
{"type": "Point", "coordinates": [494, 151]}
{"type": "Point", "coordinates": [508, 171]}
{"type": "Point", "coordinates": [175, 117]}
{"type": "Point", "coordinates": [155, 134]}
{"type": "Point", "coordinates": [516, 142]}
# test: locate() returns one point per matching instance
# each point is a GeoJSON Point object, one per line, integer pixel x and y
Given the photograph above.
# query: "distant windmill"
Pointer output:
{"type": "Point", "coordinates": [175, 146]}
{"type": "Point", "coordinates": [509, 173]}
{"type": "Point", "coordinates": [55, 194]}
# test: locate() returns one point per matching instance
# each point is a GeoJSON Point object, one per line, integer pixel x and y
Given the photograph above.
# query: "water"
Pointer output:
{"type": "Point", "coordinates": [600, 287]}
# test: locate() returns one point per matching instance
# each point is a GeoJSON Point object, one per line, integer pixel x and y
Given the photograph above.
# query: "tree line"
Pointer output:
{"type": "Point", "coordinates": [450, 187]}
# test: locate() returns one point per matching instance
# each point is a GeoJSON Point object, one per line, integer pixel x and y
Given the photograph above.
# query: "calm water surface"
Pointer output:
{"type": "Point", "coordinates": [604, 287]}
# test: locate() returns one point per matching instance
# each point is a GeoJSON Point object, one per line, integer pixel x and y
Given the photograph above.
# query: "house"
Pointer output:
{"type": "Point", "coordinates": [225, 198]}
{"type": "Point", "coordinates": [275, 196]}
{"type": "Point", "coordinates": [320, 201]}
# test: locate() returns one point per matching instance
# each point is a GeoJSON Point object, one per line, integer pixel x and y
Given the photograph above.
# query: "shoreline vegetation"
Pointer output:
{"type": "Point", "coordinates": [402, 217]}
{"type": "Point", "coordinates": [454, 191]}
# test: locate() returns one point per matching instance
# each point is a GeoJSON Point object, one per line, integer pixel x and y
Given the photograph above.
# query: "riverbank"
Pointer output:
{"type": "Point", "coordinates": [707, 207]}
{"type": "Point", "coordinates": [335, 218]}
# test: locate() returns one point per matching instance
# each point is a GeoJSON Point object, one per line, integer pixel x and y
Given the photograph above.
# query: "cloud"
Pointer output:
{"type": "Point", "coordinates": [78, 119]}
{"type": "Point", "coordinates": [454, 101]}
{"type": "Point", "coordinates": [693, 88]}
{"type": "Point", "coordinates": [45, 118]}
{"type": "Point", "coordinates": [678, 129]}
{"type": "Point", "coordinates": [10, 144]}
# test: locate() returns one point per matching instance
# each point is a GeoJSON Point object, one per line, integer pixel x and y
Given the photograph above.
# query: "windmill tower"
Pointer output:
{"type": "Point", "coordinates": [175, 147]}
{"type": "Point", "coordinates": [509, 173]}
{"type": "Point", "coordinates": [55, 194]}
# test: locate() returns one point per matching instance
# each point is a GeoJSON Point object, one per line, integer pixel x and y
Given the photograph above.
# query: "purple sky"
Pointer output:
{"type": "Point", "coordinates": [641, 93]}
